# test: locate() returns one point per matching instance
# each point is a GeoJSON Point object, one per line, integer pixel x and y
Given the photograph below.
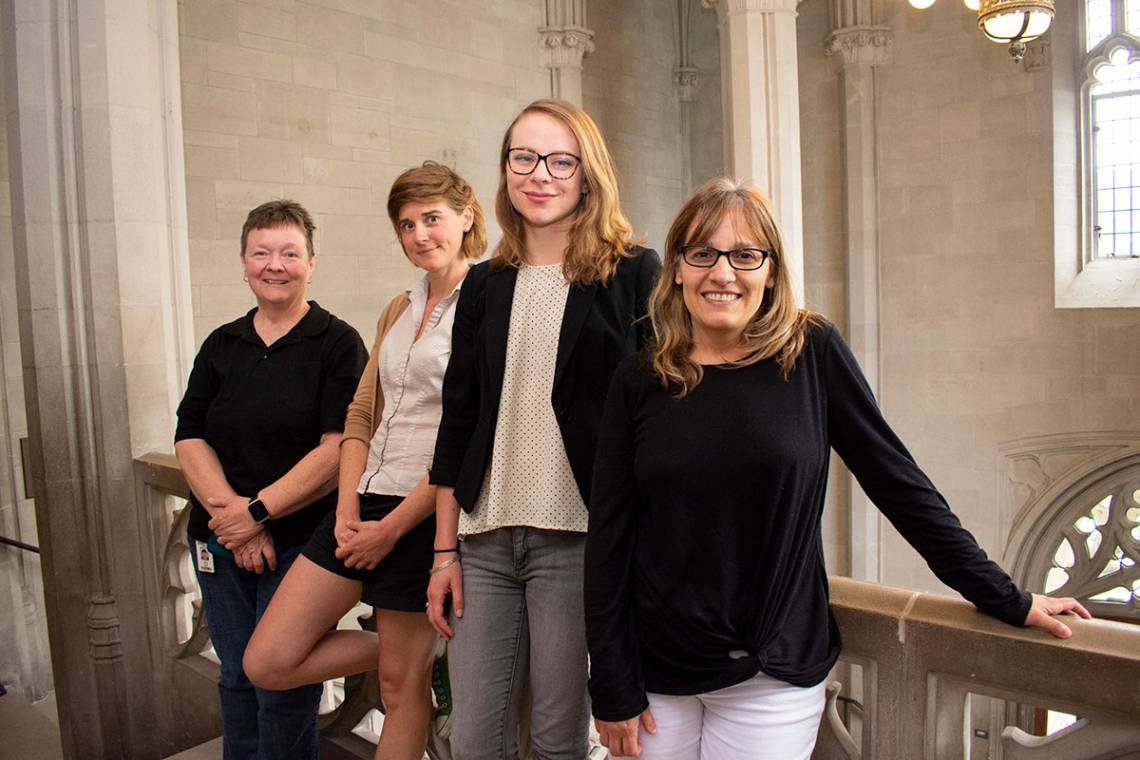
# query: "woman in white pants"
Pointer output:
{"type": "Point", "coordinates": [707, 619]}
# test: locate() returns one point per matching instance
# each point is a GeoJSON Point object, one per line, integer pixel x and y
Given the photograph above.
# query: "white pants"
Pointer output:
{"type": "Point", "coordinates": [760, 719]}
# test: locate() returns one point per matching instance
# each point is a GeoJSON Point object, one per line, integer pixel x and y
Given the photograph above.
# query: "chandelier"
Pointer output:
{"type": "Point", "coordinates": [1008, 22]}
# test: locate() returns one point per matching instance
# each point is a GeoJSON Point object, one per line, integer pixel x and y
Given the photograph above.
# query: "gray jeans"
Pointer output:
{"type": "Point", "coordinates": [522, 625]}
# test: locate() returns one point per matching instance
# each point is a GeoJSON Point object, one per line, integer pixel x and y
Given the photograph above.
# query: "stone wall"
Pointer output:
{"type": "Point", "coordinates": [974, 353]}
{"type": "Point", "coordinates": [326, 102]}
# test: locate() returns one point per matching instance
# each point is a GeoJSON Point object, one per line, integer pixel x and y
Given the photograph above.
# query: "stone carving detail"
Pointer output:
{"type": "Point", "coordinates": [867, 45]}
{"type": "Point", "coordinates": [1097, 555]}
{"type": "Point", "coordinates": [103, 629]}
{"type": "Point", "coordinates": [685, 78]}
{"type": "Point", "coordinates": [565, 46]}
{"type": "Point", "coordinates": [1076, 530]}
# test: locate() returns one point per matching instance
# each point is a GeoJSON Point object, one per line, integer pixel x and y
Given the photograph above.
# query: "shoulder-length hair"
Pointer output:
{"type": "Point", "coordinates": [601, 235]}
{"type": "Point", "coordinates": [432, 180]}
{"type": "Point", "coordinates": [777, 329]}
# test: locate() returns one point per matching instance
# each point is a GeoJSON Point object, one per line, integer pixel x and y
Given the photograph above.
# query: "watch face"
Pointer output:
{"type": "Point", "coordinates": [258, 511]}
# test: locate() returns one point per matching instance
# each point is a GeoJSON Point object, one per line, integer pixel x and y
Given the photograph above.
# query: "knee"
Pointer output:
{"type": "Point", "coordinates": [404, 685]}
{"type": "Point", "coordinates": [265, 669]}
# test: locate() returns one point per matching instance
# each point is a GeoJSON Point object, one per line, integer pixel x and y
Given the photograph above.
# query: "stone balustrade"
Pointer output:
{"type": "Point", "coordinates": [914, 667]}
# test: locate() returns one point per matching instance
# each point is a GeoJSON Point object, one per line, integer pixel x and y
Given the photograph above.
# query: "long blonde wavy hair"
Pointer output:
{"type": "Point", "coordinates": [601, 235]}
{"type": "Point", "coordinates": [777, 329]}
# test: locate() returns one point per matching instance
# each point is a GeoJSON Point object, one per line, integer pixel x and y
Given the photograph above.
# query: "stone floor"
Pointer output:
{"type": "Point", "coordinates": [211, 750]}
{"type": "Point", "coordinates": [31, 732]}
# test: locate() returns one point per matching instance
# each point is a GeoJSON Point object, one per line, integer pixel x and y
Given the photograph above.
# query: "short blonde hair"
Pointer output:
{"type": "Point", "coordinates": [433, 180]}
{"type": "Point", "coordinates": [779, 326]}
{"type": "Point", "coordinates": [601, 235]}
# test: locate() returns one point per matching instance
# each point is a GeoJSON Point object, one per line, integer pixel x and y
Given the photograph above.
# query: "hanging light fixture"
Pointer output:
{"type": "Point", "coordinates": [921, 4]}
{"type": "Point", "coordinates": [1015, 22]}
{"type": "Point", "coordinates": [971, 5]}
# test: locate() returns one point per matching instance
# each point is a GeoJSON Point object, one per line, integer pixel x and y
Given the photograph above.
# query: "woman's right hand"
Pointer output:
{"type": "Point", "coordinates": [444, 583]}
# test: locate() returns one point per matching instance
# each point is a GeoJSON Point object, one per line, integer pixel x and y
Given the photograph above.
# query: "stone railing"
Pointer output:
{"type": "Point", "coordinates": [931, 677]}
{"type": "Point", "coordinates": [921, 677]}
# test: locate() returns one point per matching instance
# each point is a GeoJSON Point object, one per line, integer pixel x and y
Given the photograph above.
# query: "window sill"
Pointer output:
{"type": "Point", "coordinates": [1101, 284]}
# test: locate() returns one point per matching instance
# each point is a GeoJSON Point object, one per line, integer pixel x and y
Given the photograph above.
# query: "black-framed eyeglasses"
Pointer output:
{"type": "Point", "coordinates": [525, 161]}
{"type": "Point", "coordinates": [744, 259]}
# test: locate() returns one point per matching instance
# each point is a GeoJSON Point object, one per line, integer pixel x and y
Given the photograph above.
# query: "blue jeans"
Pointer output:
{"type": "Point", "coordinates": [257, 724]}
{"type": "Point", "coordinates": [523, 623]}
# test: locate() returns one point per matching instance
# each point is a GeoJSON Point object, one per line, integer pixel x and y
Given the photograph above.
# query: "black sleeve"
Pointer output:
{"type": "Point", "coordinates": [647, 276]}
{"type": "Point", "coordinates": [617, 687]}
{"type": "Point", "coordinates": [902, 492]}
{"type": "Point", "coordinates": [201, 389]}
{"type": "Point", "coordinates": [340, 374]}
{"type": "Point", "coordinates": [460, 385]}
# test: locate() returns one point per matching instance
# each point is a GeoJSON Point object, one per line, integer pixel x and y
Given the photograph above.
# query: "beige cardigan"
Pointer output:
{"type": "Point", "coordinates": [367, 405]}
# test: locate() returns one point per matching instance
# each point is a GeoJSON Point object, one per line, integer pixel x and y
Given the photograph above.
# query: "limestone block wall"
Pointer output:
{"type": "Point", "coordinates": [974, 352]}
{"type": "Point", "coordinates": [327, 102]}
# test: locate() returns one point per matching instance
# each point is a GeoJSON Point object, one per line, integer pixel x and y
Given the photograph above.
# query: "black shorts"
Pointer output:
{"type": "Point", "coordinates": [400, 581]}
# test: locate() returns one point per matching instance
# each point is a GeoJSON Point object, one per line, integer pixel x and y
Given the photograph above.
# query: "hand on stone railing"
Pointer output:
{"type": "Point", "coordinates": [1040, 614]}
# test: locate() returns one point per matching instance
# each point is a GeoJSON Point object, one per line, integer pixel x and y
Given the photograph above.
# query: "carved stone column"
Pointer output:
{"type": "Point", "coordinates": [857, 47]}
{"type": "Point", "coordinates": [565, 42]}
{"type": "Point", "coordinates": [102, 283]}
{"type": "Point", "coordinates": [760, 98]}
{"type": "Point", "coordinates": [685, 77]}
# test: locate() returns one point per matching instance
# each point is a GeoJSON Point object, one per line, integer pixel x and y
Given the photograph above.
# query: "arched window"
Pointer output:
{"type": "Point", "coordinates": [1078, 533]}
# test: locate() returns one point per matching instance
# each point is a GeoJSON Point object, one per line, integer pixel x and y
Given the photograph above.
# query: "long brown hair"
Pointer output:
{"type": "Point", "coordinates": [600, 235]}
{"type": "Point", "coordinates": [779, 326]}
{"type": "Point", "coordinates": [433, 180]}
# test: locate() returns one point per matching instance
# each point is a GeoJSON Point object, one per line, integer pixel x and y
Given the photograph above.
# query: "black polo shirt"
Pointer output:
{"type": "Point", "coordinates": [262, 408]}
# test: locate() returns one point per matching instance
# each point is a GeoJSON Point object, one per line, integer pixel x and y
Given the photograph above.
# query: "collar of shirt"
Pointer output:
{"type": "Point", "coordinates": [315, 321]}
{"type": "Point", "coordinates": [419, 296]}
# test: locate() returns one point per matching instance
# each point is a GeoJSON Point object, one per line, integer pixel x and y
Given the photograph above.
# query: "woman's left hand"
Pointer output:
{"type": "Point", "coordinates": [370, 543]}
{"type": "Point", "coordinates": [233, 525]}
{"type": "Point", "coordinates": [622, 737]}
{"type": "Point", "coordinates": [1045, 606]}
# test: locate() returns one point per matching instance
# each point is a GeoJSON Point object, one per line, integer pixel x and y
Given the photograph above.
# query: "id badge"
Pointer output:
{"type": "Point", "coordinates": [204, 558]}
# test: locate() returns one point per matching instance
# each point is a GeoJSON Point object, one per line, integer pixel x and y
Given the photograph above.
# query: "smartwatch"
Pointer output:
{"type": "Point", "coordinates": [258, 511]}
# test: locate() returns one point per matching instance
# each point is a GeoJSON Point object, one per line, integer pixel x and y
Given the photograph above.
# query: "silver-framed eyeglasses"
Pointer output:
{"type": "Point", "coordinates": [559, 165]}
{"type": "Point", "coordinates": [706, 257]}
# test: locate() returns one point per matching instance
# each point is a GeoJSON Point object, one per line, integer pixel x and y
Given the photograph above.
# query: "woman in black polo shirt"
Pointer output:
{"type": "Point", "coordinates": [706, 593]}
{"type": "Point", "coordinates": [258, 436]}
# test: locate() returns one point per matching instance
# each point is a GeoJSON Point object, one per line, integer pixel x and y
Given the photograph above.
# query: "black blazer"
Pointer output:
{"type": "Point", "coordinates": [600, 327]}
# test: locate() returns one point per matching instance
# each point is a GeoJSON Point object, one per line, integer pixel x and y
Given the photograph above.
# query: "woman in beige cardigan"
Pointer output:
{"type": "Point", "coordinates": [377, 547]}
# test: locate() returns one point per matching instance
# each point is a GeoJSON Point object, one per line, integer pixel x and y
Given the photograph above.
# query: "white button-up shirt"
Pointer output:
{"type": "Point", "coordinates": [411, 378]}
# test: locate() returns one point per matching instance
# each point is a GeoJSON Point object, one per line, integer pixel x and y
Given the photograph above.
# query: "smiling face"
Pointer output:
{"type": "Point", "coordinates": [277, 264]}
{"type": "Point", "coordinates": [721, 301]}
{"type": "Point", "coordinates": [431, 233]}
{"type": "Point", "coordinates": [540, 199]}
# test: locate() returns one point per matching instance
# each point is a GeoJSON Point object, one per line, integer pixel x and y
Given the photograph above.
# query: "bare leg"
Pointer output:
{"type": "Point", "coordinates": [407, 643]}
{"type": "Point", "coordinates": [292, 644]}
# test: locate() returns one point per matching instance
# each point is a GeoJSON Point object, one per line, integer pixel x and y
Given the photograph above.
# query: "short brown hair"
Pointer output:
{"type": "Point", "coordinates": [433, 180]}
{"type": "Point", "coordinates": [601, 235]}
{"type": "Point", "coordinates": [279, 213]}
{"type": "Point", "coordinates": [777, 329]}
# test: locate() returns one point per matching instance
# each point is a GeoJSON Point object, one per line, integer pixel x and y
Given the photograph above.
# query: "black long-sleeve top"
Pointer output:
{"type": "Point", "coordinates": [704, 559]}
